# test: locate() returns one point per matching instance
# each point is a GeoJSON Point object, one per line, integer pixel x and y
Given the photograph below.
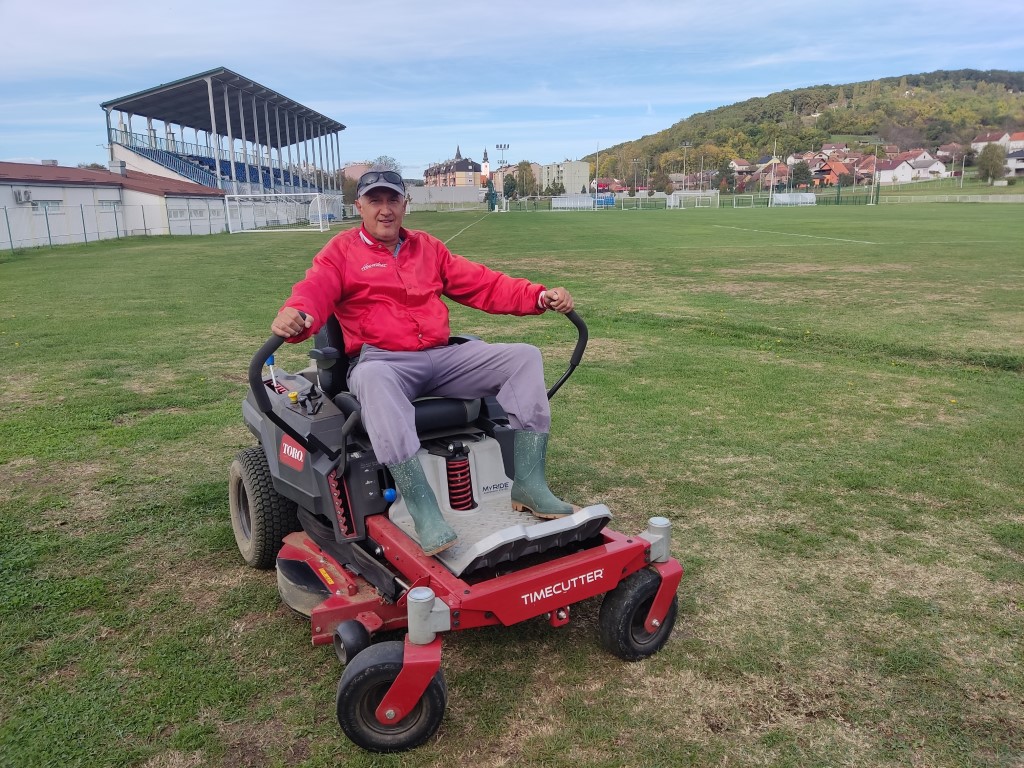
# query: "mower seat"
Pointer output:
{"type": "Point", "coordinates": [432, 413]}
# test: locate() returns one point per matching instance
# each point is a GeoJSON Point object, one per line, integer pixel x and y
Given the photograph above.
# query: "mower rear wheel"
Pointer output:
{"type": "Point", "coordinates": [260, 516]}
{"type": "Point", "coordinates": [624, 612]}
{"type": "Point", "coordinates": [368, 677]}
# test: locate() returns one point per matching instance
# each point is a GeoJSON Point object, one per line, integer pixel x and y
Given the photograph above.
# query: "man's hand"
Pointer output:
{"type": "Point", "coordinates": [558, 299]}
{"type": "Point", "coordinates": [290, 322]}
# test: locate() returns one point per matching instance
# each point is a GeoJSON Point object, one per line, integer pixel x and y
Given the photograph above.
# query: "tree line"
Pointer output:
{"type": "Point", "coordinates": [925, 110]}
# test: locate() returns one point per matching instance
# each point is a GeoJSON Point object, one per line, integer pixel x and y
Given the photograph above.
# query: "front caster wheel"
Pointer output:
{"type": "Point", "coordinates": [624, 612]}
{"type": "Point", "coordinates": [367, 678]}
{"type": "Point", "coordinates": [350, 639]}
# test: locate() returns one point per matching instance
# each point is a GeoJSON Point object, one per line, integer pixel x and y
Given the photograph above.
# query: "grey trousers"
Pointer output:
{"type": "Point", "coordinates": [386, 383]}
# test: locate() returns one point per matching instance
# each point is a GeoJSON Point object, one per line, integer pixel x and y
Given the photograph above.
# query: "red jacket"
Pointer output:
{"type": "Point", "coordinates": [394, 303]}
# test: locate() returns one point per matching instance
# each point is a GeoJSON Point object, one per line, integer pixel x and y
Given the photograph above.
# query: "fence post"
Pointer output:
{"type": "Point", "coordinates": [117, 227]}
{"type": "Point", "coordinates": [10, 234]}
{"type": "Point", "coordinates": [85, 233]}
{"type": "Point", "coordinates": [46, 215]}
{"type": "Point", "coordinates": [145, 229]}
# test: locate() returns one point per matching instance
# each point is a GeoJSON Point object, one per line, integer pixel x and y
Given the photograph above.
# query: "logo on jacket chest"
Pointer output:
{"type": "Point", "coordinates": [373, 265]}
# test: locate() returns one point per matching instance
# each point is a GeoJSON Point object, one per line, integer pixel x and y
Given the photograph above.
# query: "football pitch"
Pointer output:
{"type": "Point", "coordinates": [826, 402]}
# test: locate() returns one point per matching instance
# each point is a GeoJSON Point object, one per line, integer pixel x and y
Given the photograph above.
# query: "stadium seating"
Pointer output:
{"type": "Point", "coordinates": [211, 173]}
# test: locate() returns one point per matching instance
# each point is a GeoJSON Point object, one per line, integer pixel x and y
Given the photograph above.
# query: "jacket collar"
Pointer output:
{"type": "Point", "coordinates": [403, 235]}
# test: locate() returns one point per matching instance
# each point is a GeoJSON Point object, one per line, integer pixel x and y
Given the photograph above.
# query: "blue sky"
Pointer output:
{"type": "Point", "coordinates": [413, 79]}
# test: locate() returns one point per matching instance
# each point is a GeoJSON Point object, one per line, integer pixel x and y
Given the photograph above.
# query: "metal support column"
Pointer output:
{"type": "Point", "coordinates": [277, 126]}
{"type": "Point", "coordinates": [231, 144]}
{"type": "Point", "coordinates": [298, 147]}
{"type": "Point", "coordinates": [305, 144]}
{"type": "Point", "coordinates": [110, 147]}
{"type": "Point", "coordinates": [291, 168]}
{"type": "Point", "coordinates": [256, 130]}
{"type": "Point", "coordinates": [334, 161]}
{"type": "Point", "coordinates": [213, 124]}
{"type": "Point", "coordinates": [270, 161]}
{"type": "Point", "coordinates": [241, 119]}
{"type": "Point", "coordinates": [341, 174]}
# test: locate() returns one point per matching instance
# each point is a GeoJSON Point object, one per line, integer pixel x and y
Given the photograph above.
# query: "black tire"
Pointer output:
{"type": "Point", "coordinates": [361, 689]}
{"type": "Point", "coordinates": [350, 639]}
{"type": "Point", "coordinates": [623, 613]}
{"type": "Point", "coordinates": [260, 516]}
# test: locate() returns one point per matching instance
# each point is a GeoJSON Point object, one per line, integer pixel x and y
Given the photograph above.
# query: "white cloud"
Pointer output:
{"type": "Point", "coordinates": [417, 77]}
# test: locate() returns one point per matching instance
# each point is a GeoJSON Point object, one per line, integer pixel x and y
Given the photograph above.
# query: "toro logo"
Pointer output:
{"type": "Point", "coordinates": [292, 454]}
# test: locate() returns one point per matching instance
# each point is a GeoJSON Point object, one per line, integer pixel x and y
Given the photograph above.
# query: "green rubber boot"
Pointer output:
{"type": "Point", "coordinates": [529, 488]}
{"type": "Point", "coordinates": [432, 529]}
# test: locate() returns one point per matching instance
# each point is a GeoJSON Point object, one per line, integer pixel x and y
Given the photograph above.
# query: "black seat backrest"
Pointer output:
{"type": "Point", "coordinates": [432, 413]}
{"type": "Point", "coordinates": [333, 379]}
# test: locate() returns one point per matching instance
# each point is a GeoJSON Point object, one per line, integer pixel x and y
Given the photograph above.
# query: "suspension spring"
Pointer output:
{"type": "Point", "coordinates": [460, 481]}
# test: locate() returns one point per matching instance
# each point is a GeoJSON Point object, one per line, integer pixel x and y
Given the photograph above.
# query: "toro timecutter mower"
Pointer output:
{"type": "Point", "coordinates": [312, 499]}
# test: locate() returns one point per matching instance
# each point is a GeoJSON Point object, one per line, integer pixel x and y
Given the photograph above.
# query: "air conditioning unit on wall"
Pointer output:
{"type": "Point", "coordinates": [23, 195]}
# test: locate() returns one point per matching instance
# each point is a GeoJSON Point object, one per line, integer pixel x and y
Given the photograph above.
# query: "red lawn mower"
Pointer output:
{"type": "Point", "coordinates": [313, 500]}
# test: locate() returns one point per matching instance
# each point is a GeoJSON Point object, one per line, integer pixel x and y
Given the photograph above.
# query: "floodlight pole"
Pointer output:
{"type": "Point", "coordinates": [501, 148]}
{"type": "Point", "coordinates": [636, 162]}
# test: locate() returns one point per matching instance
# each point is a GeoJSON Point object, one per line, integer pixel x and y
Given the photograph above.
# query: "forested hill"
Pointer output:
{"type": "Point", "coordinates": [924, 110]}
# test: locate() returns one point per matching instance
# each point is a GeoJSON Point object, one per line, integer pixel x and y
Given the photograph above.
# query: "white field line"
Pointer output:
{"type": "Point", "coordinates": [794, 234]}
{"type": "Point", "coordinates": [465, 228]}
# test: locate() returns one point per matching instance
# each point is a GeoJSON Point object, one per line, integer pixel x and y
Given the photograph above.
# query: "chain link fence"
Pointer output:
{"type": "Point", "coordinates": [50, 224]}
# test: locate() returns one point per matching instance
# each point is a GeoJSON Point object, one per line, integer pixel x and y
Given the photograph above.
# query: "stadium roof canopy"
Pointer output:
{"type": "Point", "coordinates": [186, 102]}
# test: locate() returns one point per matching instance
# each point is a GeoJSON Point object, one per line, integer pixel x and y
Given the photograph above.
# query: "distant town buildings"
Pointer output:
{"type": "Point", "coordinates": [459, 171]}
{"type": "Point", "coordinates": [571, 176]}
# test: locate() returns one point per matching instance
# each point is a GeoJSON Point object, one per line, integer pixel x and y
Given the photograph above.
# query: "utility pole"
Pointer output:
{"type": "Point", "coordinates": [685, 146]}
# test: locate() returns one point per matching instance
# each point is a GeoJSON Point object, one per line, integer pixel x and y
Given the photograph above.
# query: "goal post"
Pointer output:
{"type": "Point", "coordinates": [284, 212]}
{"type": "Point", "coordinates": [683, 199]}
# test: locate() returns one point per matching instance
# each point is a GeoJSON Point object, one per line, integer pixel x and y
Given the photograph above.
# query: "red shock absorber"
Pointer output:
{"type": "Point", "coordinates": [460, 482]}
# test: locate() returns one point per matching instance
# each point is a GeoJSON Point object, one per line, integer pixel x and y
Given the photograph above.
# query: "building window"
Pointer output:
{"type": "Point", "coordinates": [47, 207]}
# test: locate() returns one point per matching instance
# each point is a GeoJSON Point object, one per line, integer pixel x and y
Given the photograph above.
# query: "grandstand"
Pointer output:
{"type": "Point", "coordinates": [246, 138]}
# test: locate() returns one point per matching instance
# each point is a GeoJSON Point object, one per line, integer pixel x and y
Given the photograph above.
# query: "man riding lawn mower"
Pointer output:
{"type": "Point", "coordinates": [405, 473]}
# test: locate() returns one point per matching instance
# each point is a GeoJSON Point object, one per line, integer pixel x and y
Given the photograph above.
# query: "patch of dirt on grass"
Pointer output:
{"type": "Point", "coordinates": [246, 744]}
{"type": "Point", "coordinates": [203, 584]}
{"type": "Point", "coordinates": [697, 708]}
{"type": "Point", "coordinates": [148, 381]}
{"type": "Point", "coordinates": [776, 269]}
{"type": "Point", "coordinates": [176, 759]}
{"type": "Point", "coordinates": [129, 419]}
{"type": "Point", "coordinates": [84, 503]}
{"type": "Point", "coordinates": [19, 388]}
{"type": "Point", "coordinates": [598, 350]}
{"type": "Point", "coordinates": [537, 716]}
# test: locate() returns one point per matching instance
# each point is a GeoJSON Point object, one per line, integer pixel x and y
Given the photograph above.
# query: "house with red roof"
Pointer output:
{"type": "Point", "coordinates": [979, 142]}
{"type": "Point", "coordinates": [53, 204]}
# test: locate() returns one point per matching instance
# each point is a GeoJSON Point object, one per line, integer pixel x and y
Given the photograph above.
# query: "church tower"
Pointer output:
{"type": "Point", "coordinates": [485, 168]}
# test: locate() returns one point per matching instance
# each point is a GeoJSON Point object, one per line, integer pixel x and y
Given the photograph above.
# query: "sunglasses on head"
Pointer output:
{"type": "Point", "coordinates": [372, 177]}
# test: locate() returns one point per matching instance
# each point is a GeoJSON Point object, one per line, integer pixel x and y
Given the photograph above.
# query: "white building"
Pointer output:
{"type": "Point", "coordinates": [573, 175]}
{"type": "Point", "coordinates": [54, 205]}
{"type": "Point", "coordinates": [1015, 164]}
{"type": "Point", "coordinates": [903, 170]}
{"type": "Point", "coordinates": [1002, 138]}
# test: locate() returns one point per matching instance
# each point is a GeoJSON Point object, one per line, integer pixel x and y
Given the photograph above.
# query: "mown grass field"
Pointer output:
{"type": "Point", "coordinates": [827, 403]}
